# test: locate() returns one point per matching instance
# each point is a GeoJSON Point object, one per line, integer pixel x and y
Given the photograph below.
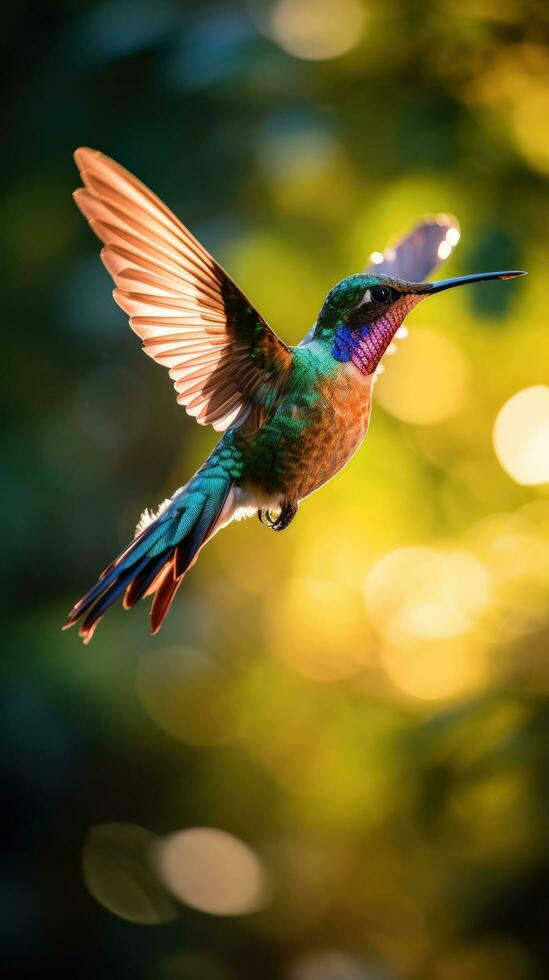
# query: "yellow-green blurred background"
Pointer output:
{"type": "Point", "coordinates": [332, 763]}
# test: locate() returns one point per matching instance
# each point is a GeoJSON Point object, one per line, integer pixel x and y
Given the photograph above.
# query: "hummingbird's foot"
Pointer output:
{"type": "Point", "coordinates": [286, 516]}
{"type": "Point", "coordinates": [282, 519]}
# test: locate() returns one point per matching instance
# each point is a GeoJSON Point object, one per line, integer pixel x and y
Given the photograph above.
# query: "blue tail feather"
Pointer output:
{"type": "Point", "coordinates": [173, 538]}
{"type": "Point", "coordinates": [139, 585]}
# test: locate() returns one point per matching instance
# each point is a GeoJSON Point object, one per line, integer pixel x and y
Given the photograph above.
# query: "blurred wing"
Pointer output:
{"type": "Point", "coordinates": [224, 360]}
{"type": "Point", "coordinates": [414, 257]}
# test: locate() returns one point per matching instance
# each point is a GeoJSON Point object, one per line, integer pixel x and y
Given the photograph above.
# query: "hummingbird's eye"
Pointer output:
{"type": "Point", "coordinates": [380, 294]}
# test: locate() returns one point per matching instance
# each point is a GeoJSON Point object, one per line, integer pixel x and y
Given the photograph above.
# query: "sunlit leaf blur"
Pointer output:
{"type": "Point", "coordinates": [332, 763]}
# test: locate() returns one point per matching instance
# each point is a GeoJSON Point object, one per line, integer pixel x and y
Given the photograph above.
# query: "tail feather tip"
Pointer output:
{"type": "Point", "coordinates": [165, 547]}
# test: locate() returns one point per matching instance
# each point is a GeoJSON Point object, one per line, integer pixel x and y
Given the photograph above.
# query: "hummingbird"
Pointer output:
{"type": "Point", "coordinates": [291, 417]}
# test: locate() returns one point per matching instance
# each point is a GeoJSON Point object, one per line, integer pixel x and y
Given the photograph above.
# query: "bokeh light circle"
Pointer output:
{"type": "Point", "coordinates": [315, 30]}
{"type": "Point", "coordinates": [420, 592]}
{"type": "Point", "coordinates": [521, 436]}
{"type": "Point", "coordinates": [212, 871]}
{"type": "Point", "coordinates": [517, 555]}
{"type": "Point", "coordinates": [435, 669]}
{"type": "Point", "coordinates": [427, 382]}
{"type": "Point", "coordinates": [117, 869]}
{"type": "Point", "coordinates": [318, 629]}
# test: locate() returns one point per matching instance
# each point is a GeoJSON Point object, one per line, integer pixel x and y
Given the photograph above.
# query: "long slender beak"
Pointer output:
{"type": "Point", "coordinates": [438, 287]}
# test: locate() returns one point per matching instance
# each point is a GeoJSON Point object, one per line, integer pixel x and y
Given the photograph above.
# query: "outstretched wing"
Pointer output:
{"type": "Point", "coordinates": [414, 256]}
{"type": "Point", "coordinates": [223, 358]}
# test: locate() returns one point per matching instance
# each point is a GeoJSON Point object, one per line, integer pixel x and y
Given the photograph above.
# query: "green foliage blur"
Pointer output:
{"type": "Point", "coordinates": [360, 702]}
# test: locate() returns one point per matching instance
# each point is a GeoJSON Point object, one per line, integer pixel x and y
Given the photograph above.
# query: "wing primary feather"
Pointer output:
{"type": "Point", "coordinates": [225, 361]}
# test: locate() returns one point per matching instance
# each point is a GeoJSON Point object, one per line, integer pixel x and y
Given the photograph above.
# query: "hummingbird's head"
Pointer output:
{"type": "Point", "coordinates": [362, 314]}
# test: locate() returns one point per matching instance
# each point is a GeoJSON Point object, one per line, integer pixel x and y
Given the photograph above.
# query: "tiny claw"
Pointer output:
{"type": "Point", "coordinates": [266, 518]}
{"type": "Point", "coordinates": [286, 515]}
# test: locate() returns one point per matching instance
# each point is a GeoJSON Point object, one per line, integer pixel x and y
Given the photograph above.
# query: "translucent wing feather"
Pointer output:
{"type": "Point", "coordinates": [223, 358]}
{"type": "Point", "coordinates": [418, 253]}
{"type": "Point", "coordinates": [414, 256]}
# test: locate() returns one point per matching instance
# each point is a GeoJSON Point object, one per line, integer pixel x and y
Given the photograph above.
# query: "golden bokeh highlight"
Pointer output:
{"type": "Point", "coordinates": [315, 30]}
{"type": "Point", "coordinates": [453, 236]}
{"type": "Point", "coordinates": [318, 629]}
{"type": "Point", "coordinates": [421, 592]}
{"type": "Point", "coordinates": [190, 695]}
{"type": "Point", "coordinates": [444, 249]}
{"type": "Point", "coordinates": [518, 557]}
{"type": "Point", "coordinates": [427, 382]}
{"type": "Point", "coordinates": [435, 669]}
{"type": "Point", "coordinates": [117, 869]}
{"type": "Point", "coordinates": [521, 436]}
{"type": "Point", "coordinates": [212, 871]}
{"type": "Point", "coordinates": [425, 602]}
{"type": "Point", "coordinates": [376, 258]}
